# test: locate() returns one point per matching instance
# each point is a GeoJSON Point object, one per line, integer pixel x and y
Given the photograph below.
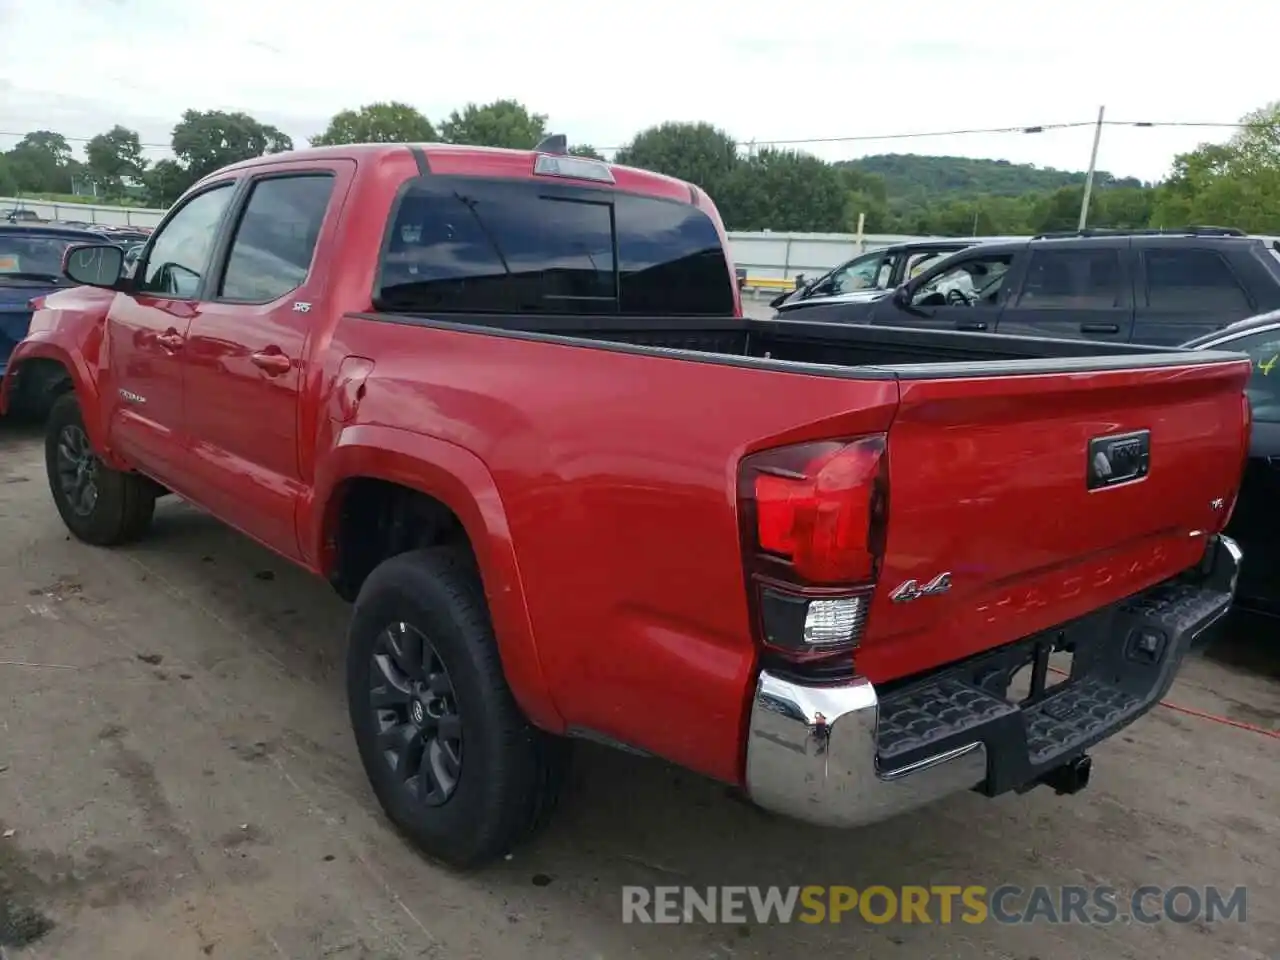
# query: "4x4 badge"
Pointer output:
{"type": "Point", "coordinates": [912, 589]}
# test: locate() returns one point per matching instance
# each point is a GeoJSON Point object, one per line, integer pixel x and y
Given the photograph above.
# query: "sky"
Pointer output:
{"type": "Point", "coordinates": [601, 71]}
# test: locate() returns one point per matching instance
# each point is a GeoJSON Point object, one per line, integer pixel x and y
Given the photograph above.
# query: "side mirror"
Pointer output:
{"type": "Point", "coordinates": [901, 296]}
{"type": "Point", "coordinates": [95, 265]}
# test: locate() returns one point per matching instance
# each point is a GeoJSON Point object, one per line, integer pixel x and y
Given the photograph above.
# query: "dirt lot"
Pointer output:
{"type": "Point", "coordinates": [177, 780]}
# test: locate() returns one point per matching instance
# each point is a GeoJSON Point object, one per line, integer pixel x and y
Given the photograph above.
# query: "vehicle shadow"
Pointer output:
{"type": "Point", "coordinates": [19, 429]}
{"type": "Point", "coordinates": [649, 818]}
{"type": "Point", "coordinates": [1250, 643]}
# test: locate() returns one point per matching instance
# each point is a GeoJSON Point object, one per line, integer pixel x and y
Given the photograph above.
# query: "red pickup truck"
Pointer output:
{"type": "Point", "coordinates": [507, 402]}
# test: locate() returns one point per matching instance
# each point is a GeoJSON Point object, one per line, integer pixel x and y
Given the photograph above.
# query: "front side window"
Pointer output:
{"type": "Point", "coordinates": [276, 237]}
{"type": "Point", "coordinates": [975, 282]}
{"type": "Point", "coordinates": [180, 252]}
{"type": "Point", "coordinates": [1072, 280]}
{"type": "Point", "coordinates": [486, 246]}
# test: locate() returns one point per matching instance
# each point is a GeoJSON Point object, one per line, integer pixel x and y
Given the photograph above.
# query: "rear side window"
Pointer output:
{"type": "Point", "coordinates": [1072, 280]}
{"type": "Point", "coordinates": [1189, 280]}
{"type": "Point", "coordinates": [512, 246]}
{"type": "Point", "coordinates": [276, 237]}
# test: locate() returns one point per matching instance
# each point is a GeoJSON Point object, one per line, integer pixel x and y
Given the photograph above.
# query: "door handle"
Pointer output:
{"type": "Point", "coordinates": [170, 340]}
{"type": "Point", "coordinates": [1099, 328]}
{"type": "Point", "coordinates": [273, 363]}
{"type": "Point", "coordinates": [971, 324]}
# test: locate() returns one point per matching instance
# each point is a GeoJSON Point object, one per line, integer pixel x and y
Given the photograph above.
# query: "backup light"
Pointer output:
{"type": "Point", "coordinates": [833, 621]}
{"type": "Point", "coordinates": [575, 168]}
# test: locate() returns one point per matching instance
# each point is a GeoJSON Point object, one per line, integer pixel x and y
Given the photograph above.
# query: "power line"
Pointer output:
{"type": "Point", "coordinates": [915, 134]}
{"type": "Point", "coordinates": [904, 135]}
{"type": "Point", "coordinates": [8, 133]}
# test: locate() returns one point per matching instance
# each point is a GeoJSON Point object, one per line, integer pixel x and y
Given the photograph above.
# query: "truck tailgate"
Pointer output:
{"type": "Point", "coordinates": [990, 485]}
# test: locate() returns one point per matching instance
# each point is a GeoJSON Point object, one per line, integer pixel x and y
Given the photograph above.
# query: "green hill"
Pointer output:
{"type": "Point", "coordinates": [908, 176]}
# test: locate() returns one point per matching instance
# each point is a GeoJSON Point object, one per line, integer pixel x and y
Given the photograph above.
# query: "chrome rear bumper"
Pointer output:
{"type": "Point", "coordinates": [817, 752]}
{"type": "Point", "coordinates": [812, 756]}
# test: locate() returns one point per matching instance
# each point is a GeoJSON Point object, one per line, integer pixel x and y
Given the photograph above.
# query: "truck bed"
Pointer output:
{"type": "Point", "coordinates": [831, 349]}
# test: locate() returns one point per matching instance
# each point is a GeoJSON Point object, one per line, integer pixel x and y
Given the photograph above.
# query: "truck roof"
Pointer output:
{"type": "Point", "coordinates": [459, 160]}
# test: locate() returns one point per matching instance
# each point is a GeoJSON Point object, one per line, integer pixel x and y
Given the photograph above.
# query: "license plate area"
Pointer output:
{"type": "Point", "coordinates": [1118, 458]}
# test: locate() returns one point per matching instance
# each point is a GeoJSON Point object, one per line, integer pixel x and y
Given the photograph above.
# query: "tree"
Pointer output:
{"type": "Point", "coordinates": [391, 122]}
{"type": "Point", "coordinates": [41, 163]}
{"type": "Point", "coordinates": [1059, 211]}
{"type": "Point", "coordinates": [866, 195]}
{"type": "Point", "coordinates": [165, 182]}
{"type": "Point", "coordinates": [8, 183]}
{"type": "Point", "coordinates": [1122, 207]}
{"type": "Point", "coordinates": [783, 190]}
{"type": "Point", "coordinates": [503, 123]}
{"type": "Point", "coordinates": [55, 144]}
{"type": "Point", "coordinates": [113, 156]}
{"type": "Point", "coordinates": [1234, 184]}
{"type": "Point", "coordinates": [205, 141]}
{"type": "Point", "coordinates": [1257, 146]}
{"type": "Point", "coordinates": [585, 150]}
{"type": "Point", "coordinates": [696, 152]}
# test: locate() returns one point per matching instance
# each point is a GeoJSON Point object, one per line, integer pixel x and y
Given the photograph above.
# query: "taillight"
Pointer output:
{"type": "Point", "coordinates": [814, 520]}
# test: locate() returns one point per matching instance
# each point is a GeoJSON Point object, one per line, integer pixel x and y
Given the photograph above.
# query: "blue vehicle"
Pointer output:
{"type": "Point", "coordinates": [31, 266]}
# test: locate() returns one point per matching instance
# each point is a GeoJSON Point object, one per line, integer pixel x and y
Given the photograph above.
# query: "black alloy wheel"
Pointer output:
{"type": "Point", "coordinates": [77, 470]}
{"type": "Point", "coordinates": [416, 714]}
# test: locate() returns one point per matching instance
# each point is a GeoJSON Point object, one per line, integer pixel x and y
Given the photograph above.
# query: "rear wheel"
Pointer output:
{"type": "Point", "coordinates": [99, 505]}
{"type": "Point", "coordinates": [452, 760]}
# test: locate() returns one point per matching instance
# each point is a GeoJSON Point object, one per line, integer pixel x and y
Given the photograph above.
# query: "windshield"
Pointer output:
{"type": "Point", "coordinates": [27, 254]}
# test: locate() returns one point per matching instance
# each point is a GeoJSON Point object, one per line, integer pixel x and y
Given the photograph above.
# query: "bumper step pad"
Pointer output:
{"type": "Point", "coordinates": [1123, 663]}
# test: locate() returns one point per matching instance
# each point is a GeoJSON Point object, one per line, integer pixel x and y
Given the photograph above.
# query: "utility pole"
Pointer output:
{"type": "Point", "coordinates": [1093, 164]}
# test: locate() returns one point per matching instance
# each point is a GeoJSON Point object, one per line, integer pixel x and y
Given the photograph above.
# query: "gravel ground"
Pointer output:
{"type": "Point", "coordinates": [177, 780]}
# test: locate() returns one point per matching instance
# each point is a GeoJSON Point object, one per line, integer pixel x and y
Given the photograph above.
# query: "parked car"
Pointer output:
{"type": "Point", "coordinates": [1255, 523]}
{"type": "Point", "coordinates": [126, 236]}
{"type": "Point", "coordinates": [20, 215]}
{"type": "Point", "coordinates": [507, 402]}
{"type": "Point", "coordinates": [131, 256]}
{"type": "Point", "coordinates": [871, 275]}
{"type": "Point", "coordinates": [30, 267]}
{"type": "Point", "coordinates": [1157, 287]}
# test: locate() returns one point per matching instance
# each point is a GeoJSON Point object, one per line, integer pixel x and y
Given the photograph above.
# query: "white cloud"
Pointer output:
{"type": "Point", "coordinates": [764, 70]}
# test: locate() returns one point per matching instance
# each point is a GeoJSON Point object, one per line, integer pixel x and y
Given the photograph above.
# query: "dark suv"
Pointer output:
{"type": "Point", "coordinates": [1149, 286]}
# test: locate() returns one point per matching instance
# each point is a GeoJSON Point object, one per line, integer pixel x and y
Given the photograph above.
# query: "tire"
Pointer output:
{"type": "Point", "coordinates": [122, 504]}
{"type": "Point", "coordinates": [428, 606]}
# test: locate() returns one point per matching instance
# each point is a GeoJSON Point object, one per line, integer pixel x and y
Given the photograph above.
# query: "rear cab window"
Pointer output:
{"type": "Point", "coordinates": [493, 246]}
